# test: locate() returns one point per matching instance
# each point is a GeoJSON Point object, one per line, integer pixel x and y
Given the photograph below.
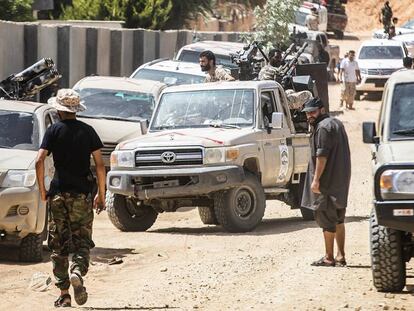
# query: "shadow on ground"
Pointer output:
{"type": "Point", "coordinates": [10, 254]}
{"type": "Point", "coordinates": [267, 227]}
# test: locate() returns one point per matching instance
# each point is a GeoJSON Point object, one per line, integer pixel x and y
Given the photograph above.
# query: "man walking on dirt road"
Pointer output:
{"type": "Point", "coordinates": [349, 75]}
{"type": "Point", "coordinates": [71, 142]}
{"type": "Point", "coordinates": [327, 180]}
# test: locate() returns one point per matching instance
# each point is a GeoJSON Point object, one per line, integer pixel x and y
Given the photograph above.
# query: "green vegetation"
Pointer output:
{"type": "Point", "coordinates": [16, 10]}
{"type": "Point", "coordinates": [150, 14]}
{"type": "Point", "coordinates": [272, 21]}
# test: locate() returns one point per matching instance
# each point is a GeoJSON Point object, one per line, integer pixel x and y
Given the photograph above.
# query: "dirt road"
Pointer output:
{"type": "Point", "coordinates": [181, 264]}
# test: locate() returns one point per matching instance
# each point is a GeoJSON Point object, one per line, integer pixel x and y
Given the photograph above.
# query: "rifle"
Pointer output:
{"type": "Point", "coordinates": [30, 81]}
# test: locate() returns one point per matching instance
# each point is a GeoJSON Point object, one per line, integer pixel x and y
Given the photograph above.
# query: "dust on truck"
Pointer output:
{"type": "Point", "coordinates": [224, 147]}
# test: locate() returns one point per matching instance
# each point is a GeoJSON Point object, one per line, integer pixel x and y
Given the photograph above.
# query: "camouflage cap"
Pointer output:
{"type": "Point", "coordinates": [67, 100]}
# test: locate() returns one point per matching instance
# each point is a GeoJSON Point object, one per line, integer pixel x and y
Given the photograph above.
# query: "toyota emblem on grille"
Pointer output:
{"type": "Point", "coordinates": [168, 157]}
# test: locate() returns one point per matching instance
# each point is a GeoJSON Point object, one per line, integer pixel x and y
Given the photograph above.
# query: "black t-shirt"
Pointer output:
{"type": "Point", "coordinates": [71, 143]}
{"type": "Point", "coordinates": [329, 140]}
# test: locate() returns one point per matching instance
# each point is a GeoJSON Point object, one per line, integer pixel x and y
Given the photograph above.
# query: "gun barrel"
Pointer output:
{"type": "Point", "coordinates": [30, 72]}
{"type": "Point", "coordinates": [288, 51]}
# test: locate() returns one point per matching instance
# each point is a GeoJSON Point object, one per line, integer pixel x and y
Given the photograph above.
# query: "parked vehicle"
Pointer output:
{"type": "Point", "coordinates": [392, 218]}
{"type": "Point", "coordinates": [23, 216]}
{"type": "Point", "coordinates": [117, 108]}
{"type": "Point", "coordinates": [221, 49]}
{"type": "Point", "coordinates": [170, 72]}
{"type": "Point", "coordinates": [408, 40]}
{"type": "Point", "coordinates": [377, 60]}
{"type": "Point", "coordinates": [225, 147]}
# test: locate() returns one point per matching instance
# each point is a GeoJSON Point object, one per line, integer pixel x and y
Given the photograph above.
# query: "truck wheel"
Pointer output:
{"type": "Point", "coordinates": [125, 215]}
{"type": "Point", "coordinates": [307, 214]}
{"type": "Point", "coordinates": [241, 209]}
{"type": "Point", "coordinates": [388, 265]}
{"type": "Point", "coordinates": [339, 34]}
{"type": "Point", "coordinates": [31, 248]}
{"type": "Point", "coordinates": [207, 215]}
{"type": "Point", "coordinates": [358, 95]}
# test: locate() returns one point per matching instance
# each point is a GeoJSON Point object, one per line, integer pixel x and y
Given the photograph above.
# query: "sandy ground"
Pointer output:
{"type": "Point", "coordinates": [363, 14]}
{"type": "Point", "coordinates": [183, 265]}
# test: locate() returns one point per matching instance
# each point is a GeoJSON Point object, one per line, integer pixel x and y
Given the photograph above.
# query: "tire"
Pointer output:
{"type": "Point", "coordinates": [207, 215]}
{"type": "Point", "coordinates": [387, 262]}
{"type": "Point", "coordinates": [307, 214]}
{"type": "Point", "coordinates": [358, 95]}
{"type": "Point", "coordinates": [126, 215]}
{"type": "Point", "coordinates": [31, 248]}
{"type": "Point", "coordinates": [339, 34]}
{"type": "Point", "coordinates": [241, 209]}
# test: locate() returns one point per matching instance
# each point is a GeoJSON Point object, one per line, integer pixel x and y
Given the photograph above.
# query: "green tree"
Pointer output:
{"type": "Point", "coordinates": [16, 10]}
{"type": "Point", "coordinates": [272, 21]}
{"type": "Point", "coordinates": [150, 14]}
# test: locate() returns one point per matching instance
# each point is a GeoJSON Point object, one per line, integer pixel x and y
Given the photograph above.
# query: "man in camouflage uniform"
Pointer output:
{"type": "Point", "coordinates": [386, 16]}
{"type": "Point", "coordinates": [270, 70]}
{"type": "Point", "coordinates": [208, 64]}
{"type": "Point", "coordinates": [72, 143]}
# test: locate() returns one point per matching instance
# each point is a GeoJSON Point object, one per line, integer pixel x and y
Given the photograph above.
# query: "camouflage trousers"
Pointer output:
{"type": "Point", "coordinates": [70, 231]}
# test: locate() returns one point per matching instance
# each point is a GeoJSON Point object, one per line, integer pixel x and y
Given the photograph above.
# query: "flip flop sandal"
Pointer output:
{"type": "Point", "coordinates": [81, 296]}
{"type": "Point", "coordinates": [340, 263]}
{"type": "Point", "coordinates": [322, 263]}
{"type": "Point", "coordinates": [61, 303]}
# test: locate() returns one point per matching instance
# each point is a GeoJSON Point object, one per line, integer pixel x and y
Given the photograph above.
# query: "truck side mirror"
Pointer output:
{"type": "Point", "coordinates": [277, 120]}
{"type": "Point", "coordinates": [144, 126]}
{"type": "Point", "coordinates": [369, 133]}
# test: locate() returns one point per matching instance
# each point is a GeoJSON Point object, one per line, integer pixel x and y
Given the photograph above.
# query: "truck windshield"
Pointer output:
{"type": "Point", "coordinates": [205, 108]}
{"type": "Point", "coordinates": [402, 111]}
{"type": "Point", "coordinates": [18, 130]}
{"type": "Point", "coordinates": [381, 52]}
{"type": "Point", "coordinates": [116, 104]}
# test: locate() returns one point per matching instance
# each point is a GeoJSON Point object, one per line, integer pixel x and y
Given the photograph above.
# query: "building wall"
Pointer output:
{"type": "Point", "coordinates": [79, 51]}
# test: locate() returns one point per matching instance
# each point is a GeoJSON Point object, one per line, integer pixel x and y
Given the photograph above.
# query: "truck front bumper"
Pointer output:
{"type": "Point", "coordinates": [398, 215]}
{"type": "Point", "coordinates": [372, 83]}
{"type": "Point", "coordinates": [172, 183]}
{"type": "Point", "coordinates": [19, 211]}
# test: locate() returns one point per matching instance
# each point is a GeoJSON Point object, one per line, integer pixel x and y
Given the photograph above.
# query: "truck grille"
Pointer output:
{"type": "Point", "coordinates": [107, 149]}
{"type": "Point", "coordinates": [381, 72]}
{"type": "Point", "coordinates": [169, 157]}
{"type": "Point", "coordinates": [377, 82]}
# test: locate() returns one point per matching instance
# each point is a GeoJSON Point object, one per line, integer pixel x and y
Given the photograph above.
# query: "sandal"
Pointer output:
{"type": "Point", "coordinates": [81, 296]}
{"type": "Point", "coordinates": [323, 263]}
{"type": "Point", "coordinates": [60, 302]}
{"type": "Point", "coordinates": [340, 263]}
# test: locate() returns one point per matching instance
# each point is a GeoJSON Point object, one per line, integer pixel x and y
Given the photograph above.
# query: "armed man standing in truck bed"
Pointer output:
{"type": "Point", "coordinates": [70, 195]}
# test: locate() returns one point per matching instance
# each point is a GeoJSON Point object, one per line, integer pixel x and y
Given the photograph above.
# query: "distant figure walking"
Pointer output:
{"type": "Point", "coordinates": [386, 16]}
{"type": "Point", "coordinates": [349, 75]}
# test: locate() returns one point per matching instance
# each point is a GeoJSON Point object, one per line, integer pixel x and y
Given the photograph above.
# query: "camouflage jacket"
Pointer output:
{"type": "Point", "coordinates": [220, 74]}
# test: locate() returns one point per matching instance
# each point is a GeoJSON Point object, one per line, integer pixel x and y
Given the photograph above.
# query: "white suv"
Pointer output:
{"type": "Point", "coordinates": [377, 60]}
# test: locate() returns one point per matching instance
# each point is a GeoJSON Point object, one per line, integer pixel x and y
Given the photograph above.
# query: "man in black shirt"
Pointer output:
{"type": "Point", "coordinates": [327, 180]}
{"type": "Point", "coordinates": [71, 142]}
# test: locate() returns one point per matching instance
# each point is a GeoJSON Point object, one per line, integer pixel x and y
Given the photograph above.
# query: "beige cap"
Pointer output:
{"type": "Point", "coordinates": [67, 100]}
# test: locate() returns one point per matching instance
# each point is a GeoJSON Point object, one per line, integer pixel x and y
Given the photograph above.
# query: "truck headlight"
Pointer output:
{"type": "Point", "coordinates": [122, 159]}
{"type": "Point", "coordinates": [19, 178]}
{"type": "Point", "coordinates": [364, 71]}
{"type": "Point", "coordinates": [214, 155]}
{"type": "Point", "coordinates": [397, 181]}
{"type": "Point", "coordinates": [220, 155]}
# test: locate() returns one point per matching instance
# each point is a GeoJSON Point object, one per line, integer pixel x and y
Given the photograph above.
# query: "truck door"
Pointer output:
{"type": "Point", "coordinates": [274, 142]}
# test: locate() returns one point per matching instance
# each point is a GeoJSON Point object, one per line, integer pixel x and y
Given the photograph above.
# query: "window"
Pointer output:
{"type": "Point", "coordinates": [48, 120]}
{"type": "Point", "coordinates": [267, 104]}
{"type": "Point", "coordinates": [402, 111]}
{"type": "Point", "coordinates": [381, 52]}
